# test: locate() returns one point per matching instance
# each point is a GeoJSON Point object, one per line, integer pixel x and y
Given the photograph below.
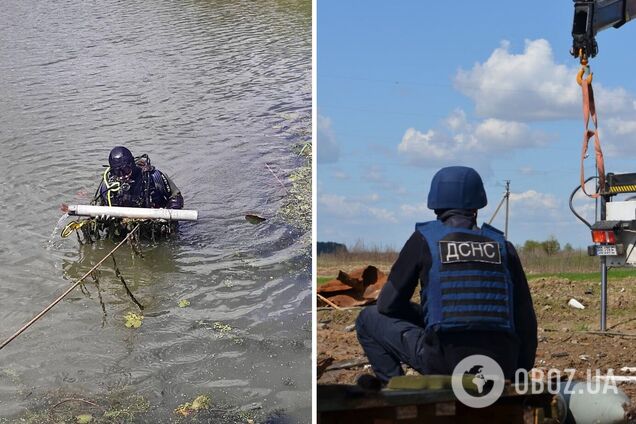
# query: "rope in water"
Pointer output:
{"type": "Point", "coordinates": [70, 289]}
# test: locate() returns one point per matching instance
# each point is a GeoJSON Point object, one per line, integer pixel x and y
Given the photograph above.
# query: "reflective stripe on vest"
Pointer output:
{"type": "Point", "coordinates": [469, 285]}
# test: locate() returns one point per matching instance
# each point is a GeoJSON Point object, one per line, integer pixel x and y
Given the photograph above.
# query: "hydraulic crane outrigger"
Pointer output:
{"type": "Point", "coordinates": [614, 233]}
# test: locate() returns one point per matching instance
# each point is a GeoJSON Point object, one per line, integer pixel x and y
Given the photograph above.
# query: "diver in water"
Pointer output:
{"type": "Point", "coordinates": [131, 181]}
{"type": "Point", "coordinates": [134, 182]}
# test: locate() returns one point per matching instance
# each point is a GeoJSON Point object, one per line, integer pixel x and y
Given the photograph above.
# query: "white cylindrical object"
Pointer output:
{"type": "Point", "coordinates": [135, 213]}
{"type": "Point", "coordinates": [575, 304]}
{"type": "Point", "coordinates": [591, 403]}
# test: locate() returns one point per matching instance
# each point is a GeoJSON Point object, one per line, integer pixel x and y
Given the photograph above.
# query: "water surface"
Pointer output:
{"type": "Point", "coordinates": [214, 91]}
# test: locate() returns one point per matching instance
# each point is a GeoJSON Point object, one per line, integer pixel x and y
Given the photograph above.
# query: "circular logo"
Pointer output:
{"type": "Point", "coordinates": [477, 381]}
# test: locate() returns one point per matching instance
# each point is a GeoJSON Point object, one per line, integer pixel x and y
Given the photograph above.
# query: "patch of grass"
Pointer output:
{"type": "Point", "coordinates": [581, 326]}
{"type": "Point", "coordinates": [322, 280]}
{"type": "Point", "coordinates": [618, 273]}
{"type": "Point", "coordinates": [614, 274]}
{"type": "Point", "coordinates": [539, 262]}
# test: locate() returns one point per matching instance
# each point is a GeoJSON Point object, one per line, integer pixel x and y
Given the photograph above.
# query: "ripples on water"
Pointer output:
{"type": "Point", "coordinates": [212, 91]}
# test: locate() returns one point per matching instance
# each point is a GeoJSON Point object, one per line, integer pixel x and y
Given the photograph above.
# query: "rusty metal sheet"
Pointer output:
{"type": "Point", "coordinates": [356, 288]}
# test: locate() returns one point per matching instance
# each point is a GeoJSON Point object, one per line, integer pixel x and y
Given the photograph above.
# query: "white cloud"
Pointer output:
{"type": "Point", "coordinates": [376, 176]}
{"type": "Point", "coordinates": [456, 121]}
{"type": "Point", "coordinates": [621, 128]}
{"type": "Point", "coordinates": [532, 200]}
{"type": "Point", "coordinates": [532, 86]}
{"type": "Point", "coordinates": [499, 134]}
{"type": "Point", "coordinates": [382, 214]}
{"type": "Point", "coordinates": [328, 148]}
{"type": "Point", "coordinates": [418, 210]}
{"type": "Point", "coordinates": [617, 137]}
{"type": "Point", "coordinates": [343, 207]}
{"type": "Point", "coordinates": [374, 173]}
{"type": "Point", "coordinates": [527, 86]}
{"type": "Point", "coordinates": [461, 141]}
{"type": "Point", "coordinates": [527, 170]}
{"type": "Point", "coordinates": [509, 90]}
{"type": "Point", "coordinates": [340, 175]}
{"type": "Point", "coordinates": [339, 205]}
{"type": "Point", "coordinates": [531, 212]}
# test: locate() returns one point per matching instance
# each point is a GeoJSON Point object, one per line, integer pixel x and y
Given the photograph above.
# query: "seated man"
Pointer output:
{"type": "Point", "coordinates": [474, 296]}
{"type": "Point", "coordinates": [136, 183]}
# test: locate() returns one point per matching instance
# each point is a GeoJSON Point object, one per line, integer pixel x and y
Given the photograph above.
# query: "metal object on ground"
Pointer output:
{"type": "Point", "coordinates": [590, 403]}
{"type": "Point", "coordinates": [428, 399]}
{"type": "Point", "coordinates": [356, 288]}
{"type": "Point", "coordinates": [134, 213]}
{"type": "Point", "coordinates": [344, 404]}
{"type": "Point", "coordinates": [614, 234]}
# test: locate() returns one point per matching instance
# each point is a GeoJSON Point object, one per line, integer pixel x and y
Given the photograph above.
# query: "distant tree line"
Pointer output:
{"type": "Point", "coordinates": [323, 247]}
{"type": "Point", "coordinates": [550, 247]}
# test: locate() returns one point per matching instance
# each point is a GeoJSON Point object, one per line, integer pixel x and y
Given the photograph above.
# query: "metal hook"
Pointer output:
{"type": "Point", "coordinates": [582, 71]}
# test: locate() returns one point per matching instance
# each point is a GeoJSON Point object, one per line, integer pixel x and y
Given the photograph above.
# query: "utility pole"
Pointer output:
{"type": "Point", "coordinates": [505, 198]}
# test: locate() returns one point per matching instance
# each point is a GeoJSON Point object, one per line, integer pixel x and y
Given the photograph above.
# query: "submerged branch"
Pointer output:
{"type": "Point", "coordinates": [118, 274]}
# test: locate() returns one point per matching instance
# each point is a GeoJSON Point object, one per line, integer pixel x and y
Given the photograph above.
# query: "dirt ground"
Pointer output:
{"type": "Point", "coordinates": [566, 335]}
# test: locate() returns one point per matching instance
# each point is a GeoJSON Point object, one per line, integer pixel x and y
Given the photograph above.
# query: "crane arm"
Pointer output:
{"type": "Point", "coordinates": [593, 16]}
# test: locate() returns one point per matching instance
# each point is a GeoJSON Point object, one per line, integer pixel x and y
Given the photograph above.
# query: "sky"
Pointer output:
{"type": "Point", "coordinates": [405, 88]}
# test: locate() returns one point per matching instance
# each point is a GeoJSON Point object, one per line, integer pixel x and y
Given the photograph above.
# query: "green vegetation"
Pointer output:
{"type": "Point", "coordinates": [581, 326]}
{"type": "Point", "coordinates": [133, 320]}
{"type": "Point", "coordinates": [323, 280]}
{"type": "Point", "coordinates": [614, 274]}
{"type": "Point", "coordinates": [550, 246]}
{"type": "Point", "coordinates": [84, 419]}
{"type": "Point", "coordinates": [222, 328]}
{"type": "Point", "coordinates": [128, 410]}
{"type": "Point", "coordinates": [63, 407]}
{"type": "Point", "coordinates": [201, 402]}
{"type": "Point", "coordinates": [331, 263]}
{"type": "Point", "coordinates": [296, 208]}
{"type": "Point", "coordinates": [538, 258]}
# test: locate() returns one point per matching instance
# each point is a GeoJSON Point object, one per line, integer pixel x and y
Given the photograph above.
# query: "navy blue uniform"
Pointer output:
{"type": "Point", "coordinates": [399, 331]}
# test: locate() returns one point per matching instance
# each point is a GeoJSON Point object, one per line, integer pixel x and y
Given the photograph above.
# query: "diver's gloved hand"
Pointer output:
{"type": "Point", "coordinates": [175, 202]}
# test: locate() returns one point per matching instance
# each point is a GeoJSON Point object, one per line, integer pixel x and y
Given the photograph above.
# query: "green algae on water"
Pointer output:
{"type": "Point", "coordinates": [200, 403]}
{"type": "Point", "coordinates": [222, 328]}
{"type": "Point", "coordinates": [133, 320]}
{"type": "Point", "coordinates": [296, 207]}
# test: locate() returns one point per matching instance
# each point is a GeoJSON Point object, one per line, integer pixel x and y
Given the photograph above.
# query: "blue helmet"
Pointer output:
{"type": "Point", "coordinates": [457, 187]}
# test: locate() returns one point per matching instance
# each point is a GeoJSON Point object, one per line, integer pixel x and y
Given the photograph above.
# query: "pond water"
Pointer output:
{"type": "Point", "coordinates": [218, 94]}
